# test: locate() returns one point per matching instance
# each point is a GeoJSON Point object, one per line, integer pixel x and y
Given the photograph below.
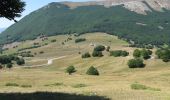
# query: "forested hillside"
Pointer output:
{"type": "Point", "coordinates": [56, 18]}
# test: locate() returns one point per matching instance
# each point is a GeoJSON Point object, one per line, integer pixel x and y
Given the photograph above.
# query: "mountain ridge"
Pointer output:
{"type": "Point", "coordinates": [138, 6]}
{"type": "Point", "coordinates": [58, 18]}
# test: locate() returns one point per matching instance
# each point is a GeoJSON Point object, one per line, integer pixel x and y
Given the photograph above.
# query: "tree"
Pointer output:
{"type": "Point", "coordinates": [86, 55]}
{"type": "Point", "coordinates": [92, 71]}
{"type": "Point", "coordinates": [136, 63]}
{"type": "Point", "coordinates": [11, 8]}
{"type": "Point", "coordinates": [137, 53]}
{"type": "Point", "coordinates": [163, 54]}
{"type": "Point", "coordinates": [70, 70]}
{"type": "Point", "coordinates": [145, 54]}
{"type": "Point", "coordinates": [99, 48]}
{"type": "Point", "coordinates": [20, 61]}
{"type": "Point", "coordinates": [97, 54]}
{"type": "Point", "coordinates": [9, 65]}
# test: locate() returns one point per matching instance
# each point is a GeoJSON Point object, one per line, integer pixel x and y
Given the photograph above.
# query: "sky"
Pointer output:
{"type": "Point", "coordinates": [31, 5]}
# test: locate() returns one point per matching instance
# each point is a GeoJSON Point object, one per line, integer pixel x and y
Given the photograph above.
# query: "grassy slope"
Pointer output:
{"type": "Point", "coordinates": [114, 81]}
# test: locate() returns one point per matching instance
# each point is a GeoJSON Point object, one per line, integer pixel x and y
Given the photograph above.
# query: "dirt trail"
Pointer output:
{"type": "Point", "coordinates": [50, 61]}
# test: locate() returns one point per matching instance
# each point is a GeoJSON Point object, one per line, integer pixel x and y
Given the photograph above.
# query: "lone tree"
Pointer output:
{"type": "Point", "coordinates": [70, 70]}
{"type": "Point", "coordinates": [92, 71]}
{"type": "Point", "coordinates": [11, 8]}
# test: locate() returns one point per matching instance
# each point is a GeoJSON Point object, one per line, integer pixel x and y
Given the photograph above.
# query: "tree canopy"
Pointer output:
{"type": "Point", "coordinates": [11, 9]}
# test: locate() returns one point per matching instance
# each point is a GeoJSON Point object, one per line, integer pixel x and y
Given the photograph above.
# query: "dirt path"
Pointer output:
{"type": "Point", "coordinates": [50, 61]}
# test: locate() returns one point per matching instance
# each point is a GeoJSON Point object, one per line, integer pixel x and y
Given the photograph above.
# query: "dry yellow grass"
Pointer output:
{"type": "Point", "coordinates": [115, 77]}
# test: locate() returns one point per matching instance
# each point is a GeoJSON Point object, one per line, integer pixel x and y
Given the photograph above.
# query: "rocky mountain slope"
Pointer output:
{"type": "Point", "coordinates": [138, 6]}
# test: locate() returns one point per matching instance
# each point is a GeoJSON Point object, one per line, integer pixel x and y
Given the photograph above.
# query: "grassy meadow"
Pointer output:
{"type": "Point", "coordinates": [116, 81]}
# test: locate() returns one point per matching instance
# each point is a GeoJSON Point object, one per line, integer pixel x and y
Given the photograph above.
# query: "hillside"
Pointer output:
{"type": "Point", "coordinates": [114, 82]}
{"type": "Point", "coordinates": [2, 29]}
{"type": "Point", "coordinates": [60, 18]}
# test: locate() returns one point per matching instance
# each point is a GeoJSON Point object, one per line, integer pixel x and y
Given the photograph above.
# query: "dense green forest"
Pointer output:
{"type": "Point", "coordinates": [56, 18]}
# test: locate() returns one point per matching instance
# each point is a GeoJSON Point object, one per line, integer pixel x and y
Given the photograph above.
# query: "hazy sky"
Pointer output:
{"type": "Point", "coordinates": [31, 5]}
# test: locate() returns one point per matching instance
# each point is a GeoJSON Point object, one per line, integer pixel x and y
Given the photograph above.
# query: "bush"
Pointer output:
{"type": "Point", "coordinates": [54, 40]}
{"type": "Point", "coordinates": [99, 48]}
{"type": "Point", "coordinates": [12, 84]}
{"type": "Point", "coordinates": [80, 40]}
{"type": "Point", "coordinates": [119, 53]}
{"type": "Point", "coordinates": [26, 86]}
{"type": "Point", "coordinates": [145, 54]}
{"type": "Point", "coordinates": [79, 85]}
{"type": "Point", "coordinates": [124, 53]}
{"type": "Point", "coordinates": [136, 63]}
{"type": "Point", "coordinates": [86, 55]}
{"type": "Point", "coordinates": [137, 53]}
{"type": "Point", "coordinates": [70, 70]}
{"type": "Point", "coordinates": [92, 71]}
{"type": "Point", "coordinates": [41, 52]}
{"type": "Point", "coordinates": [163, 54]}
{"type": "Point", "coordinates": [5, 59]}
{"type": "Point", "coordinates": [9, 65]}
{"type": "Point", "coordinates": [20, 61]}
{"type": "Point", "coordinates": [97, 54]}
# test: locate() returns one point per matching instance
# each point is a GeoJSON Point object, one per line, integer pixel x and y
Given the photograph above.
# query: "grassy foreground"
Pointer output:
{"type": "Point", "coordinates": [116, 80]}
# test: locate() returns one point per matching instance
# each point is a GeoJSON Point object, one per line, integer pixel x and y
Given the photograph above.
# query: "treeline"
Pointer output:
{"type": "Point", "coordinates": [7, 61]}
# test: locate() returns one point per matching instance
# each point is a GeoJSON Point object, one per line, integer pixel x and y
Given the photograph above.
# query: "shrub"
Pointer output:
{"type": "Point", "coordinates": [26, 86]}
{"type": "Point", "coordinates": [9, 65]}
{"type": "Point", "coordinates": [99, 48]}
{"type": "Point", "coordinates": [79, 85]}
{"type": "Point", "coordinates": [55, 84]}
{"type": "Point", "coordinates": [97, 54]}
{"type": "Point", "coordinates": [12, 84]}
{"type": "Point", "coordinates": [124, 53]}
{"type": "Point", "coordinates": [136, 63]}
{"type": "Point", "coordinates": [92, 71]}
{"type": "Point", "coordinates": [54, 40]}
{"type": "Point", "coordinates": [119, 53]}
{"type": "Point", "coordinates": [163, 54]}
{"type": "Point", "coordinates": [80, 40]}
{"type": "Point", "coordinates": [41, 52]}
{"type": "Point", "coordinates": [145, 54]}
{"type": "Point", "coordinates": [70, 70]}
{"type": "Point", "coordinates": [21, 61]}
{"type": "Point", "coordinates": [86, 55]}
{"type": "Point", "coordinates": [1, 66]}
{"type": "Point", "coordinates": [5, 59]}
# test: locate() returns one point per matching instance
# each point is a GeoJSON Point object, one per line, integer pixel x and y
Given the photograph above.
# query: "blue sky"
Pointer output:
{"type": "Point", "coordinates": [31, 5]}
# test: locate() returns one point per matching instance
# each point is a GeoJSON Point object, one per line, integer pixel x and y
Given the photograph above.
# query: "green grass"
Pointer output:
{"type": "Point", "coordinates": [137, 86]}
{"type": "Point", "coordinates": [55, 84]}
{"type": "Point", "coordinates": [26, 86]}
{"type": "Point", "coordinates": [79, 85]}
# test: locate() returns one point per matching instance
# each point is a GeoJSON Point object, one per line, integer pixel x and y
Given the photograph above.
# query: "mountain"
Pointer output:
{"type": "Point", "coordinates": [138, 6]}
{"type": "Point", "coordinates": [2, 29]}
{"type": "Point", "coordinates": [141, 21]}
